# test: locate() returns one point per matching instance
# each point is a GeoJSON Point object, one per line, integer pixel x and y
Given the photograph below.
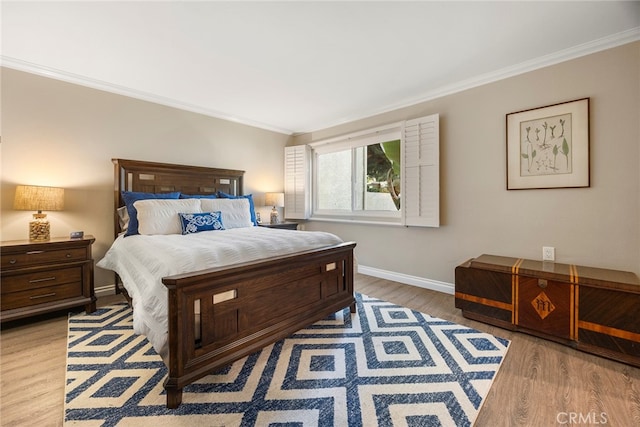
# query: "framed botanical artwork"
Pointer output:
{"type": "Point", "coordinates": [548, 147]}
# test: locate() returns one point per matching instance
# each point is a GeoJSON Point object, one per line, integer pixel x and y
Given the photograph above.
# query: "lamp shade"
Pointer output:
{"type": "Point", "coordinates": [34, 198]}
{"type": "Point", "coordinates": [274, 199]}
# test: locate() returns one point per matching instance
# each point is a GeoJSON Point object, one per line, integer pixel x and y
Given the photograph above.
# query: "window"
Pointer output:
{"type": "Point", "coordinates": [358, 177]}
{"type": "Point", "coordinates": [388, 174]}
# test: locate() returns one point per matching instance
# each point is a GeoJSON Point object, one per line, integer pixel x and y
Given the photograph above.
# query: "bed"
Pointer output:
{"type": "Point", "coordinates": [262, 289]}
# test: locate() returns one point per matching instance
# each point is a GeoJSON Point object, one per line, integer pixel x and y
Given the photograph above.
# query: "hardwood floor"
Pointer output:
{"type": "Point", "coordinates": [540, 383]}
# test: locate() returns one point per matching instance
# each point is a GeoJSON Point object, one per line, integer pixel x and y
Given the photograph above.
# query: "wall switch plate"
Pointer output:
{"type": "Point", "coordinates": [548, 253]}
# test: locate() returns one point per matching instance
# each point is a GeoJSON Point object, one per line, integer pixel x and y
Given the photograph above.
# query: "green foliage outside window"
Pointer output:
{"type": "Point", "coordinates": [383, 169]}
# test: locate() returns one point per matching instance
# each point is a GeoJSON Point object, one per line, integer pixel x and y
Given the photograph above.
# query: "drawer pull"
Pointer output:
{"type": "Point", "coordinates": [52, 294]}
{"type": "Point", "coordinates": [45, 279]}
{"type": "Point", "coordinates": [34, 252]}
{"type": "Point", "coordinates": [542, 283]}
{"type": "Point", "coordinates": [68, 255]}
{"type": "Point", "coordinates": [13, 261]}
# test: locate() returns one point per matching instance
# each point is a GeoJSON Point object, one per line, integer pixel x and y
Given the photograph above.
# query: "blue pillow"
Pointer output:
{"type": "Point", "coordinates": [130, 197]}
{"type": "Point", "coordinates": [198, 196]}
{"type": "Point", "coordinates": [252, 208]}
{"type": "Point", "coordinates": [201, 221]}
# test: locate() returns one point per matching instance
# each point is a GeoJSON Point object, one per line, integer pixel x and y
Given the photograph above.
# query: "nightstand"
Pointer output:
{"type": "Point", "coordinates": [40, 277]}
{"type": "Point", "coordinates": [284, 225]}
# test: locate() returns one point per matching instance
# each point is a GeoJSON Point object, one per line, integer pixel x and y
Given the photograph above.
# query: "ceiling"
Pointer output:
{"type": "Point", "coordinates": [296, 67]}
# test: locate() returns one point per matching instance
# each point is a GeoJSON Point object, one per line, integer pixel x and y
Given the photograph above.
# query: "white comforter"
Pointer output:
{"type": "Point", "coordinates": [142, 261]}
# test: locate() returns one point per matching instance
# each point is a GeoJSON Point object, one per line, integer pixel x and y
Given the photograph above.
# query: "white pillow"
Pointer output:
{"type": "Point", "coordinates": [235, 212]}
{"type": "Point", "coordinates": [160, 216]}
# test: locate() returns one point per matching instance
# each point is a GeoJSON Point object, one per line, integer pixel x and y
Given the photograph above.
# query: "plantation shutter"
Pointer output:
{"type": "Point", "coordinates": [297, 191]}
{"type": "Point", "coordinates": [421, 172]}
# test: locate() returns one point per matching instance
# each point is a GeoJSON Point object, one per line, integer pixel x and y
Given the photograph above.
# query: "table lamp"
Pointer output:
{"type": "Point", "coordinates": [35, 198]}
{"type": "Point", "coordinates": [275, 200]}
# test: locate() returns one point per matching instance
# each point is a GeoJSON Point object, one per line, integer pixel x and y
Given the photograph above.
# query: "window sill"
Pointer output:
{"type": "Point", "coordinates": [364, 221]}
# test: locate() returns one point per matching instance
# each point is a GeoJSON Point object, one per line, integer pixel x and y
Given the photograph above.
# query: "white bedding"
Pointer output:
{"type": "Point", "coordinates": [142, 261]}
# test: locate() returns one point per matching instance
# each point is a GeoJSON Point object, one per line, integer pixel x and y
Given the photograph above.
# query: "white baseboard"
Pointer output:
{"type": "Point", "coordinates": [103, 291]}
{"type": "Point", "coordinates": [434, 285]}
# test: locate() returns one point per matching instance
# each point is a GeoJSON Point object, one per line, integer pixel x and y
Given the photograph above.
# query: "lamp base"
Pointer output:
{"type": "Point", "coordinates": [275, 219]}
{"type": "Point", "coordinates": [39, 228]}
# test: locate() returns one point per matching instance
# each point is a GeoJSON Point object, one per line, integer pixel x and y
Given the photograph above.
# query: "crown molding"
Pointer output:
{"type": "Point", "coordinates": [44, 71]}
{"type": "Point", "coordinates": [584, 49]}
{"type": "Point", "coordinates": [564, 55]}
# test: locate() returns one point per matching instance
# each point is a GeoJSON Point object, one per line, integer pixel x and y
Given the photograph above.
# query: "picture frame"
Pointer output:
{"type": "Point", "coordinates": [548, 147]}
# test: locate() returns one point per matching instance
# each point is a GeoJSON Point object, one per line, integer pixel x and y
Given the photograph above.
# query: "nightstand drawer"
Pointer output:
{"type": "Point", "coordinates": [40, 279]}
{"type": "Point", "coordinates": [39, 257]}
{"type": "Point", "coordinates": [42, 295]}
{"type": "Point", "coordinates": [43, 277]}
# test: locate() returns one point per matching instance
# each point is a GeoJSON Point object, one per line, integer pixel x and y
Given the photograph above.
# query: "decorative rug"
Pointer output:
{"type": "Point", "coordinates": [386, 365]}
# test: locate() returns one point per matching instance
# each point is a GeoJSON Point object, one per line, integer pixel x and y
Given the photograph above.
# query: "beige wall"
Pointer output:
{"type": "Point", "coordinates": [60, 134]}
{"type": "Point", "coordinates": [597, 226]}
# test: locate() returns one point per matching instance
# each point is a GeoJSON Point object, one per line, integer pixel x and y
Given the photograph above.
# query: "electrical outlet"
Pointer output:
{"type": "Point", "coordinates": [548, 253]}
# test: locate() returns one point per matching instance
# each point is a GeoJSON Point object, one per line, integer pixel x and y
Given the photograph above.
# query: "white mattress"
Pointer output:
{"type": "Point", "coordinates": [142, 261]}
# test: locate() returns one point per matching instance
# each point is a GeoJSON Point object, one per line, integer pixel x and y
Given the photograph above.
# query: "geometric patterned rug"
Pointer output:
{"type": "Point", "coordinates": [386, 365]}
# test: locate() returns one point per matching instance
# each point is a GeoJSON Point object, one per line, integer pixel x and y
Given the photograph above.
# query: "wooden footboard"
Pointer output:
{"type": "Point", "coordinates": [246, 307]}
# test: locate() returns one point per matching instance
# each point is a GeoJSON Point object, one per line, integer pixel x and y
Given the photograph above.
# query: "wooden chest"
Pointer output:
{"type": "Point", "coordinates": [592, 309]}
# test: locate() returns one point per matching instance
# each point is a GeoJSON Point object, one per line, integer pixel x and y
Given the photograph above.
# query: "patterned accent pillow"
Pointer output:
{"type": "Point", "coordinates": [204, 221]}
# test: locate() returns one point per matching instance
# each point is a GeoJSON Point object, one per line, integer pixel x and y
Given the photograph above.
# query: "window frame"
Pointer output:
{"type": "Point", "coordinates": [420, 175]}
{"type": "Point", "coordinates": [350, 142]}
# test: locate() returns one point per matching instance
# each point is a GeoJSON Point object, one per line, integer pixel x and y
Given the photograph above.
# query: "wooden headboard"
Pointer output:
{"type": "Point", "coordinates": [151, 177]}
